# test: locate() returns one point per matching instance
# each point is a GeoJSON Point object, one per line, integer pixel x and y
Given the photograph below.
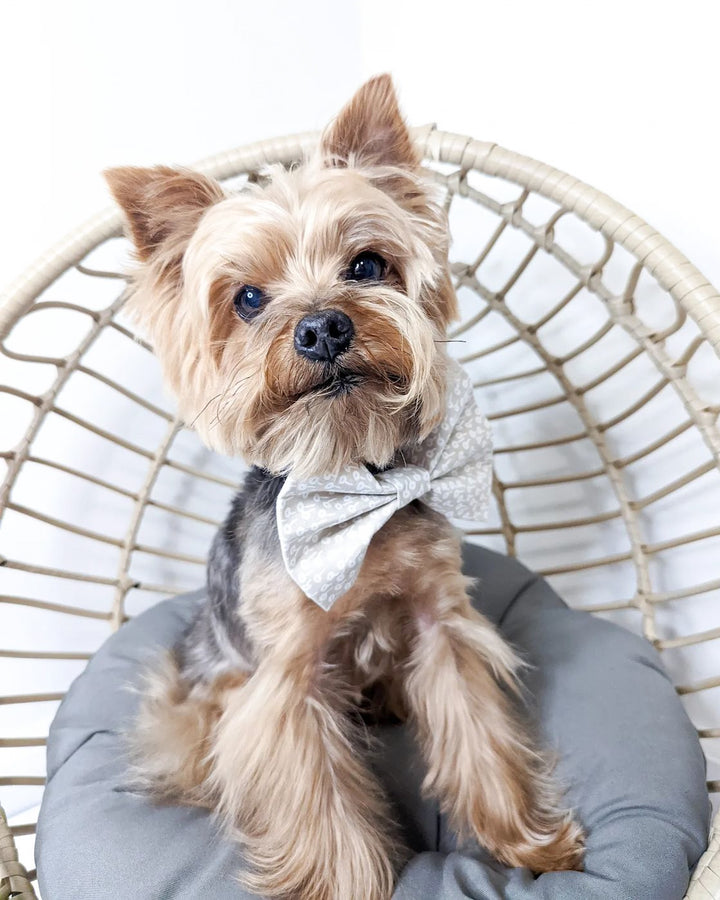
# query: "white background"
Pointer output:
{"type": "Point", "coordinates": [621, 95]}
{"type": "Point", "coordinates": [624, 95]}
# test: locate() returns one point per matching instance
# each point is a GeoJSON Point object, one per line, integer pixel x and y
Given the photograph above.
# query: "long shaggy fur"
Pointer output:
{"type": "Point", "coordinates": [255, 713]}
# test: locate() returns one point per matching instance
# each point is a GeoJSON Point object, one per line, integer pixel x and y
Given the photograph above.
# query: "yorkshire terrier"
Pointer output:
{"type": "Point", "coordinates": [300, 323]}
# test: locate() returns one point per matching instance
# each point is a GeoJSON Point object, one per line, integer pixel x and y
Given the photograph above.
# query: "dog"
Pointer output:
{"type": "Point", "coordinates": [300, 323]}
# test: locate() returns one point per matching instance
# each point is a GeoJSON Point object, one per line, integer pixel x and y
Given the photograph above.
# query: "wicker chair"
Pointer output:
{"type": "Point", "coordinates": [595, 348]}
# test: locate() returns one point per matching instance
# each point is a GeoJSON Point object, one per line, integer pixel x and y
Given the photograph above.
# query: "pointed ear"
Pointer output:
{"type": "Point", "coordinates": [162, 206]}
{"type": "Point", "coordinates": [370, 131]}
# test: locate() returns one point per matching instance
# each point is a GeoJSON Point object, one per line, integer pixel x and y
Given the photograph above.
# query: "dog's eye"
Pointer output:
{"type": "Point", "coordinates": [249, 300]}
{"type": "Point", "coordinates": [367, 266]}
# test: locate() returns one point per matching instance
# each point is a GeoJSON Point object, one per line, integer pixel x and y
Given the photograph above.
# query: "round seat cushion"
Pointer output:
{"type": "Point", "coordinates": [627, 755]}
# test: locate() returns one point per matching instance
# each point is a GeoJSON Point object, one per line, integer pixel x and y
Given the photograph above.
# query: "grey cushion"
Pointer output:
{"type": "Point", "coordinates": [627, 752]}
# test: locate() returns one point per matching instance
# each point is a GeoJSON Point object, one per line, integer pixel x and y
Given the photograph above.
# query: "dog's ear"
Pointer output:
{"type": "Point", "coordinates": [162, 206]}
{"type": "Point", "coordinates": [370, 131]}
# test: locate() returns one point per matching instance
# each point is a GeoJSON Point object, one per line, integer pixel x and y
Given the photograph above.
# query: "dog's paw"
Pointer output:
{"type": "Point", "coordinates": [557, 850]}
{"type": "Point", "coordinates": [317, 870]}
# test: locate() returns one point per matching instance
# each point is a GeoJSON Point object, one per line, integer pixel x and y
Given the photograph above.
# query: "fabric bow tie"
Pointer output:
{"type": "Point", "coordinates": [326, 523]}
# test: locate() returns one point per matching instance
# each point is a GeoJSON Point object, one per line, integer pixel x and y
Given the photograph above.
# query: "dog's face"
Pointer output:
{"type": "Point", "coordinates": [300, 321]}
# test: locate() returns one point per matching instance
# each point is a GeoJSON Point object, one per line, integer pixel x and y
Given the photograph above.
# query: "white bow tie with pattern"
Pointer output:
{"type": "Point", "coordinates": [326, 523]}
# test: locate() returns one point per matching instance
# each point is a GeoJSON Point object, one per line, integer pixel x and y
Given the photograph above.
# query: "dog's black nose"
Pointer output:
{"type": "Point", "coordinates": [323, 335]}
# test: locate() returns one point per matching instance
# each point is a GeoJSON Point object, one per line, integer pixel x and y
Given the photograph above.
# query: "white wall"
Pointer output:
{"type": "Point", "coordinates": [621, 94]}
{"type": "Point", "coordinates": [87, 85]}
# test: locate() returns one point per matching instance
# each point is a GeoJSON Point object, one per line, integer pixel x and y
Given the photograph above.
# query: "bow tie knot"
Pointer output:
{"type": "Point", "coordinates": [326, 523]}
{"type": "Point", "coordinates": [410, 483]}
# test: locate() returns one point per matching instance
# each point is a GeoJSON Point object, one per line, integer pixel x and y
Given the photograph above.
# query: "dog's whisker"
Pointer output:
{"type": "Point", "coordinates": [192, 424]}
{"type": "Point", "coordinates": [227, 400]}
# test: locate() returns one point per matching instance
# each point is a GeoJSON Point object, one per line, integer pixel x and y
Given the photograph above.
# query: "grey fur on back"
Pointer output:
{"type": "Point", "coordinates": [217, 640]}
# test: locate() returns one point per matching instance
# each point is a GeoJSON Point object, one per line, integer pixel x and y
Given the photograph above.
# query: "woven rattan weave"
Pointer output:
{"type": "Point", "coordinates": [595, 349]}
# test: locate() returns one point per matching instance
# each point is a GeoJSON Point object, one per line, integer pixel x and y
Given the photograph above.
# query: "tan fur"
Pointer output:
{"type": "Point", "coordinates": [170, 744]}
{"type": "Point", "coordinates": [456, 670]}
{"type": "Point", "coordinates": [297, 793]}
{"type": "Point", "coordinates": [274, 751]}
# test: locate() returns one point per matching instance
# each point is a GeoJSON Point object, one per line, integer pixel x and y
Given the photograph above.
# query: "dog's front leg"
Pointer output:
{"type": "Point", "coordinates": [481, 764]}
{"type": "Point", "coordinates": [290, 781]}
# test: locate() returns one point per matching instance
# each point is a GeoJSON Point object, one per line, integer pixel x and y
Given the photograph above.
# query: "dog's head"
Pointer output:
{"type": "Point", "coordinates": [299, 322]}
